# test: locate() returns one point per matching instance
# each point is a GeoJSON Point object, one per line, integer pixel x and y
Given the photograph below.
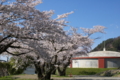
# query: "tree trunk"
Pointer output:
{"type": "Point", "coordinates": [61, 72]}
{"type": "Point", "coordinates": [53, 72]}
{"type": "Point", "coordinates": [39, 73]}
{"type": "Point", "coordinates": [45, 70]}
{"type": "Point", "coordinates": [47, 76]}
{"type": "Point", "coordinates": [43, 74]}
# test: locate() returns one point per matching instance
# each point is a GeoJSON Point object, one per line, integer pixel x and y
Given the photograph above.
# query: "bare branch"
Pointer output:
{"type": "Point", "coordinates": [18, 53]}
{"type": "Point", "coordinates": [5, 38]}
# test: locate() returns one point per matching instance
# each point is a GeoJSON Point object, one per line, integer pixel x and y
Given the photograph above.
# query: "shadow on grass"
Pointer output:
{"type": "Point", "coordinates": [87, 73]}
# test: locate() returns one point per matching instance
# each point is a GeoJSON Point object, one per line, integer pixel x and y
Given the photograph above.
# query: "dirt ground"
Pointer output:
{"type": "Point", "coordinates": [117, 75]}
{"type": "Point", "coordinates": [34, 77]}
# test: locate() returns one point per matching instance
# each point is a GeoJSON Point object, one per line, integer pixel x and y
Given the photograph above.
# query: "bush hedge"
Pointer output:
{"type": "Point", "coordinates": [10, 68]}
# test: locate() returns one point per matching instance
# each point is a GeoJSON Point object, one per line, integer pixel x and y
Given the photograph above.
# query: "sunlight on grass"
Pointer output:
{"type": "Point", "coordinates": [86, 71]}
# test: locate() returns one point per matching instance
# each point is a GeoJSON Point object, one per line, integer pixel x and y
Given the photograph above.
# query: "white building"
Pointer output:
{"type": "Point", "coordinates": [97, 59]}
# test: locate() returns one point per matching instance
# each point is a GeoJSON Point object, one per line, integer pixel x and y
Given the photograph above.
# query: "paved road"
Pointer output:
{"type": "Point", "coordinates": [77, 77]}
{"type": "Point", "coordinates": [89, 78]}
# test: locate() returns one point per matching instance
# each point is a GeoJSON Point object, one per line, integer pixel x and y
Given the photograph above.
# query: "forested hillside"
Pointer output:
{"type": "Point", "coordinates": [112, 44]}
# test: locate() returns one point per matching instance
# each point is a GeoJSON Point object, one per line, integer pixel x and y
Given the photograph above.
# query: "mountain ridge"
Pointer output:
{"type": "Point", "coordinates": [112, 44]}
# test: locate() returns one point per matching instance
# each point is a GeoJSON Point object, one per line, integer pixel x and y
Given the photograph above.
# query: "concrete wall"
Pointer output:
{"type": "Point", "coordinates": [85, 63]}
{"type": "Point", "coordinates": [112, 63]}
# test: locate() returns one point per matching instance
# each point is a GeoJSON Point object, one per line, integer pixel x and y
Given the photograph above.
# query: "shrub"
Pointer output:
{"type": "Point", "coordinates": [10, 68]}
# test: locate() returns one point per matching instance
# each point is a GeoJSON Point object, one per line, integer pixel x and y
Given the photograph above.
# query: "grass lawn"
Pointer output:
{"type": "Point", "coordinates": [86, 71]}
{"type": "Point", "coordinates": [20, 77]}
{"type": "Point", "coordinates": [28, 77]}
{"type": "Point", "coordinates": [69, 71]}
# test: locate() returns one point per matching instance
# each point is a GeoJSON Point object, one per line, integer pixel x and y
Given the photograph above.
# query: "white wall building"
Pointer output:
{"type": "Point", "coordinates": [97, 59]}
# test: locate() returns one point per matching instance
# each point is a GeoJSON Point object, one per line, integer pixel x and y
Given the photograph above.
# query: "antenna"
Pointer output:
{"type": "Point", "coordinates": [104, 44]}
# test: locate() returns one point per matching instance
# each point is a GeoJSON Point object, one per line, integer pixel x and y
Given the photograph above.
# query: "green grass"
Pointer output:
{"type": "Point", "coordinates": [86, 71]}
{"type": "Point", "coordinates": [11, 78]}
{"type": "Point", "coordinates": [6, 78]}
{"type": "Point", "coordinates": [69, 71]}
{"type": "Point", "coordinates": [60, 76]}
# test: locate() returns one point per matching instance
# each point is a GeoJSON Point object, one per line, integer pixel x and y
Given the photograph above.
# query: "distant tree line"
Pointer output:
{"type": "Point", "coordinates": [112, 44]}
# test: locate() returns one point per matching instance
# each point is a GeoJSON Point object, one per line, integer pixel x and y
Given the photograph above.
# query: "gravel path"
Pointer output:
{"type": "Point", "coordinates": [26, 76]}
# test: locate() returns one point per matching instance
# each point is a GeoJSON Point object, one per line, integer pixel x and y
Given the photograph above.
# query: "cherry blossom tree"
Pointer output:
{"type": "Point", "coordinates": [55, 51]}
{"type": "Point", "coordinates": [22, 23]}
{"type": "Point", "coordinates": [80, 44]}
{"type": "Point", "coordinates": [12, 17]}
{"type": "Point", "coordinates": [47, 50]}
{"type": "Point", "coordinates": [25, 29]}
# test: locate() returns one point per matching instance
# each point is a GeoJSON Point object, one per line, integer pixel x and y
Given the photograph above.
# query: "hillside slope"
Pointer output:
{"type": "Point", "coordinates": [112, 44]}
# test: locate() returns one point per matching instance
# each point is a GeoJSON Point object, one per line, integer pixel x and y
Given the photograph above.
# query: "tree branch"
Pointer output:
{"type": "Point", "coordinates": [17, 54]}
{"type": "Point", "coordinates": [62, 49]}
{"type": "Point", "coordinates": [4, 48]}
{"type": "Point", "coordinates": [5, 38]}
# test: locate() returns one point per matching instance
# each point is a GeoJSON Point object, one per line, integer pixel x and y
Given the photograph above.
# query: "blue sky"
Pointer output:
{"type": "Point", "coordinates": [88, 13]}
